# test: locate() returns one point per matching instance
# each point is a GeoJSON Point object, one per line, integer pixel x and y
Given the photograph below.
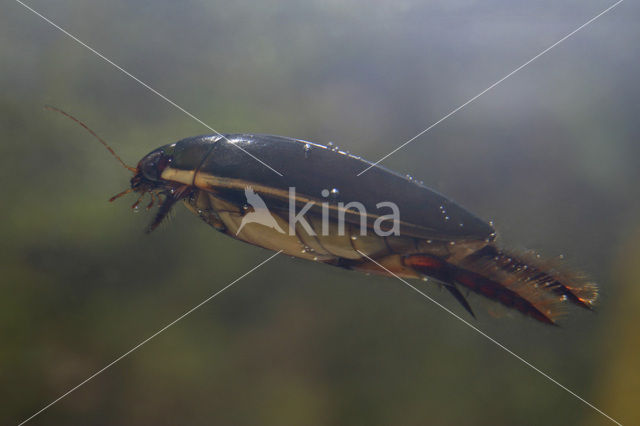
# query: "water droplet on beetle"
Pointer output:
{"type": "Point", "coordinates": [425, 279]}
{"type": "Point", "coordinates": [330, 145]}
{"type": "Point", "coordinates": [447, 218]}
{"type": "Point", "coordinates": [315, 258]}
{"type": "Point", "coordinates": [307, 150]}
{"type": "Point", "coordinates": [461, 225]}
{"type": "Point", "coordinates": [354, 237]}
{"type": "Point", "coordinates": [452, 243]}
{"type": "Point", "coordinates": [245, 207]}
{"type": "Point", "coordinates": [335, 192]}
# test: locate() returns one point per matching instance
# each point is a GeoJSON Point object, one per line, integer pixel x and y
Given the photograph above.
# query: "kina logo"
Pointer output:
{"type": "Point", "coordinates": [260, 213]}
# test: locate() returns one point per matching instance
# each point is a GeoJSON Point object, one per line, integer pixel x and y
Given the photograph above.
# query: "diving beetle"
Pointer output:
{"type": "Point", "coordinates": [216, 178]}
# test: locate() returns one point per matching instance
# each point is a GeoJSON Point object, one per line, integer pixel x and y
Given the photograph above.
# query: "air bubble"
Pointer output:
{"type": "Point", "coordinates": [324, 193]}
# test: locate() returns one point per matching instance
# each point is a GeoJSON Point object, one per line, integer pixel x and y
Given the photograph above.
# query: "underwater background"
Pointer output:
{"type": "Point", "coordinates": [550, 155]}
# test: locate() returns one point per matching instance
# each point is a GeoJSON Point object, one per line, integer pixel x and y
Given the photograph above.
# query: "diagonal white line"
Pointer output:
{"type": "Point", "coordinates": [500, 345]}
{"type": "Point", "coordinates": [151, 89]}
{"type": "Point", "coordinates": [148, 338]}
{"type": "Point", "coordinates": [492, 86]}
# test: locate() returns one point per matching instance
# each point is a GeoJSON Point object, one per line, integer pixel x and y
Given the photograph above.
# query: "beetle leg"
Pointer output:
{"type": "Point", "coordinates": [125, 192]}
{"type": "Point", "coordinates": [442, 272]}
{"type": "Point", "coordinates": [171, 197]}
{"type": "Point", "coordinates": [460, 298]}
{"type": "Point", "coordinates": [578, 293]}
{"type": "Point", "coordinates": [493, 289]}
{"type": "Point", "coordinates": [152, 202]}
{"type": "Point", "coordinates": [399, 266]}
{"type": "Point", "coordinates": [135, 205]}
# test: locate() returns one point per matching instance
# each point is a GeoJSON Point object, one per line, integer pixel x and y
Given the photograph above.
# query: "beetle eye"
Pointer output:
{"type": "Point", "coordinates": [163, 162]}
{"type": "Point", "coordinates": [153, 165]}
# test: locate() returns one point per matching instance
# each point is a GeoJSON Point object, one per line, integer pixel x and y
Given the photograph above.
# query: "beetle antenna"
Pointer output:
{"type": "Point", "coordinates": [106, 145]}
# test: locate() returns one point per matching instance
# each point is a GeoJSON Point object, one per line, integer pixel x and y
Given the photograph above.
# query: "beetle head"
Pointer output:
{"type": "Point", "coordinates": [148, 175]}
{"type": "Point", "coordinates": [147, 179]}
